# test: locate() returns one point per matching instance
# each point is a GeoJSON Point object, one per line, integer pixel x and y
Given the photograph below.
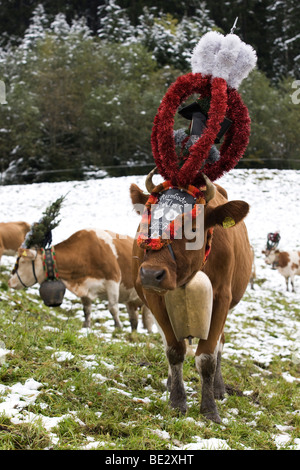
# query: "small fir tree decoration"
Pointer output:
{"type": "Point", "coordinates": [40, 232]}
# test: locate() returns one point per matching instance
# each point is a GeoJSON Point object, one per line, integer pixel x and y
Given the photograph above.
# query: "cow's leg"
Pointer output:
{"type": "Point", "coordinates": [147, 317]}
{"type": "Point", "coordinates": [206, 365]}
{"type": "Point", "coordinates": [175, 352]}
{"type": "Point", "coordinates": [287, 283]}
{"type": "Point", "coordinates": [208, 359]}
{"type": "Point", "coordinates": [113, 302]}
{"type": "Point", "coordinates": [292, 283]}
{"type": "Point", "coordinates": [133, 315]}
{"type": "Point", "coordinates": [87, 309]}
{"type": "Point", "coordinates": [219, 387]}
{"type": "Point", "coordinates": [175, 383]}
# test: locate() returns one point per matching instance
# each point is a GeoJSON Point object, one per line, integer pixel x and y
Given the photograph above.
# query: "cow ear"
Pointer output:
{"type": "Point", "coordinates": [138, 198]}
{"type": "Point", "coordinates": [26, 253]}
{"type": "Point", "coordinates": [227, 215]}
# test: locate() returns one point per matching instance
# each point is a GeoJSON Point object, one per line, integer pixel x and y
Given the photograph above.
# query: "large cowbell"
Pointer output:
{"type": "Point", "coordinates": [52, 292]}
{"type": "Point", "coordinates": [172, 203]}
{"type": "Point", "coordinates": [190, 307]}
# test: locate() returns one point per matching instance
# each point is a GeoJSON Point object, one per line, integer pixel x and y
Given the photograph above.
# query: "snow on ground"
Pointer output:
{"type": "Point", "coordinates": [274, 201]}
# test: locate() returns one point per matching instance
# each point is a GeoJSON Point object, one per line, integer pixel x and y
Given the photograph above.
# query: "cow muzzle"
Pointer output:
{"type": "Point", "coordinates": [13, 283]}
{"type": "Point", "coordinates": [152, 278]}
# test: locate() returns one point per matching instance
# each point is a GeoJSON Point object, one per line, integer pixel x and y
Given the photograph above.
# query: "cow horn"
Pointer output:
{"type": "Point", "coordinates": [210, 188]}
{"type": "Point", "coordinates": [148, 183]}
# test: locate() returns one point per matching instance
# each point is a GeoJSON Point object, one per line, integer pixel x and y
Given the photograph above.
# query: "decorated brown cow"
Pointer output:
{"type": "Point", "coordinates": [225, 263]}
{"type": "Point", "coordinates": [91, 264]}
{"type": "Point", "coordinates": [192, 257]}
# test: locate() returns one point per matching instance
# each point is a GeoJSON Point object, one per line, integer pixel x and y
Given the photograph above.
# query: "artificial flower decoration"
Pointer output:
{"type": "Point", "coordinates": [219, 64]}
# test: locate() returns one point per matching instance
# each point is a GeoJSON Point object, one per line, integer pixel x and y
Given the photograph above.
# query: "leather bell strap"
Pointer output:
{"type": "Point", "coordinates": [49, 263]}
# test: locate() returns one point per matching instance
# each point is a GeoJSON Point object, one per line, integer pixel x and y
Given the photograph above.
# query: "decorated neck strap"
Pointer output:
{"type": "Point", "coordinates": [49, 263]}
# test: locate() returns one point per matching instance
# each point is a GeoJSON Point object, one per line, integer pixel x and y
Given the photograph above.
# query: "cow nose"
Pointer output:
{"type": "Point", "coordinates": [152, 277]}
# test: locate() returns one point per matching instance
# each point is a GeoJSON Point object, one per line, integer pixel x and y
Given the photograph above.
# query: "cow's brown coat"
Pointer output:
{"type": "Point", "coordinates": [91, 264]}
{"type": "Point", "coordinates": [12, 235]}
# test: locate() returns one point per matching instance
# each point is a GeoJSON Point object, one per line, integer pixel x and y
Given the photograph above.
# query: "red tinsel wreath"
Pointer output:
{"type": "Point", "coordinates": [223, 101]}
{"type": "Point", "coordinates": [235, 141]}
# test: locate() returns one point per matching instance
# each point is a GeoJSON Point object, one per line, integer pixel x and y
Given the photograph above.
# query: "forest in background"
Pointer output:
{"type": "Point", "coordinates": [83, 81]}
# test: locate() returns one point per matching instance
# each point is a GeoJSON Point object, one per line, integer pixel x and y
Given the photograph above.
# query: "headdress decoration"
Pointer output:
{"type": "Point", "coordinates": [219, 64]}
{"type": "Point", "coordinates": [40, 234]}
{"type": "Point", "coordinates": [157, 242]}
{"type": "Point", "coordinates": [273, 240]}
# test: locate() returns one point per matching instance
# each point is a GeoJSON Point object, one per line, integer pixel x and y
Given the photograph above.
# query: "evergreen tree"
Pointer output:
{"type": "Point", "coordinates": [114, 22]}
{"type": "Point", "coordinates": [171, 40]}
{"type": "Point", "coordinates": [76, 99]}
{"type": "Point", "coordinates": [283, 20]}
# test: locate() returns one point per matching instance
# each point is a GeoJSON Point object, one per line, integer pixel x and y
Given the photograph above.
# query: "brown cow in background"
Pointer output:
{"type": "Point", "coordinates": [287, 264]}
{"type": "Point", "coordinates": [228, 267]}
{"type": "Point", "coordinates": [12, 235]}
{"type": "Point", "coordinates": [92, 264]}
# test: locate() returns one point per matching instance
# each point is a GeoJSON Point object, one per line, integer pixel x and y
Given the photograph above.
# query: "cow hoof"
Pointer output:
{"type": "Point", "coordinates": [213, 416]}
{"type": "Point", "coordinates": [219, 393]}
{"type": "Point", "coordinates": [181, 408]}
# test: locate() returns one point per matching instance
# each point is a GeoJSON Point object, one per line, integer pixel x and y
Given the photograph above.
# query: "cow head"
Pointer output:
{"type": "Point", "coordinates": [271, 256]}
{"type": "Point", "coordinates": [175, 263]}
{"type": "Point", "coordinates": [28, 269]}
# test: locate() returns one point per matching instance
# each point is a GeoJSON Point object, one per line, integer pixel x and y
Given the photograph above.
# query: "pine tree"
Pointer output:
{"type": "Point", "coordinates": [283, 19]}
{"type": "Point", "coordinates": [114, 22]}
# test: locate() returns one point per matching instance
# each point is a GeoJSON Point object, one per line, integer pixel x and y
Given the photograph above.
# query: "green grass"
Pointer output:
{"type": "Point", "coordinates": [111, 391]}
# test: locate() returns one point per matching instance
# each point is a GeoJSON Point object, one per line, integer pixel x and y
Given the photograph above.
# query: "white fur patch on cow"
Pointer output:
{"type": "Point", "coordinates": [107, 238]}
{"type": "Point", "coordinates": [128, 295]}
{"type": "Point", "coordinates": [93, 288]}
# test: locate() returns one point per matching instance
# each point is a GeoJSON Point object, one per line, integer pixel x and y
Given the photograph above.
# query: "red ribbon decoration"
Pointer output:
{"type": "Point", "coordinates": [224, 101]}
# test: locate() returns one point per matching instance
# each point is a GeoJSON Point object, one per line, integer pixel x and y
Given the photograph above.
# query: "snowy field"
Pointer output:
{"type": "Point", "coordinates": [274, 201]}
{"type": "Point", "coordinates": [273, 196]}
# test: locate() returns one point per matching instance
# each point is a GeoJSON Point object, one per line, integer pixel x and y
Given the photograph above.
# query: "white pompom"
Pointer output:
{"type": "Point", "coordinates": [203, 58]}
{"type": "Point", "coordinates": [246, 62]}
{"type": "Point", "coordinates": [223, 56]}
